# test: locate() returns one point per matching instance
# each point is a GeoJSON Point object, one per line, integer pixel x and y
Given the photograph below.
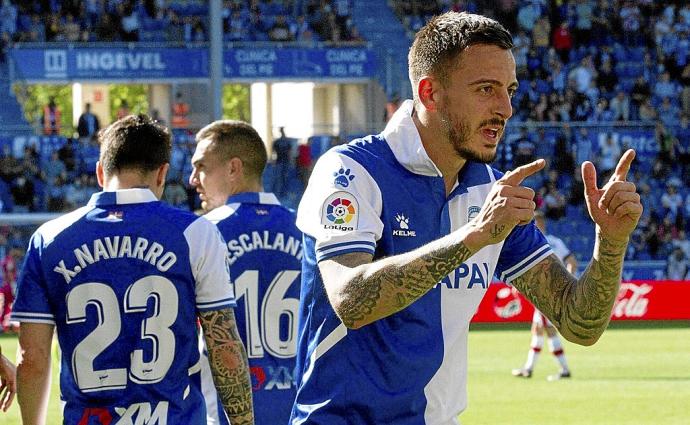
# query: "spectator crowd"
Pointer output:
{"type": "Point", "coordinates": [175, 21]}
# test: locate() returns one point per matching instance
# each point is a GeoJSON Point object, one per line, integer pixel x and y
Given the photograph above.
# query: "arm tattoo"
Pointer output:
{"type": "Point", "coordinates": [229, 367]}
{"type": "Point", "coordinates": [497, 230]}
{"type": "Point", "coordinates": [391, 284]}
{"type": "Point", "coordinates": [580, 309]}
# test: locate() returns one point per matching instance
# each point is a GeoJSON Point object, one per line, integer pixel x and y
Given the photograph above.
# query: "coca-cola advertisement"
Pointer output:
{"type": "Point", "coordinates": [636, 300]}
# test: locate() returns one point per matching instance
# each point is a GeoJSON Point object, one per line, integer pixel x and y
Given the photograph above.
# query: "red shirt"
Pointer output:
{"type": "Point", "coordinates": [562, 39]}
{"type": "Point", "coordinates": [303, 155]}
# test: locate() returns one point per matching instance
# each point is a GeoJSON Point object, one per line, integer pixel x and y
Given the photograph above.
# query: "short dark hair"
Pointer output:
{"type": "Point", "coordinates": [437, 45]}
{"type": "Point", "coordinates": [135, 142]}
{"type": "Point", "coordinates": [237, 139]}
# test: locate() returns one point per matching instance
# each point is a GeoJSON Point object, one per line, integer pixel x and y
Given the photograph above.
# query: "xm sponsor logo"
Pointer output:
{"type": "Point", "coordinates": [271, 378]}
{"type": "Point", "coordinates": [143, 414]}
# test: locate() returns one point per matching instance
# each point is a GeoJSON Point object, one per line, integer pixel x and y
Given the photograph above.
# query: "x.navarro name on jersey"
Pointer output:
{"type": "Point", "coordinates": [116, 247]}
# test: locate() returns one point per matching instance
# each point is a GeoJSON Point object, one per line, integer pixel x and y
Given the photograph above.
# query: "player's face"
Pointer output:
{"type": "Point", "coordinates": [209, 176]}
{"type": "Point", "coordinates": [475, 104]}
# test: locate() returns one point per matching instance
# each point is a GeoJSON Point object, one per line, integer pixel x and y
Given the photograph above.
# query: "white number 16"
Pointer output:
{"type": "Point", "coordinates": [264, 334]}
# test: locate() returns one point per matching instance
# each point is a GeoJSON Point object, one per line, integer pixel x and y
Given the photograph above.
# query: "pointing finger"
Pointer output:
{"type": "Point", "coordinates": [515, 177]}
{"type": "Point", "coordinates": [589, 178]}
{"type": "Point", "coordinates": [623, 166]}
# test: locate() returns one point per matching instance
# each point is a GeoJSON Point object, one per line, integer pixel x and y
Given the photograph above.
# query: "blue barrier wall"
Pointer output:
{"type": "Point", "coordinates": [154, 63]}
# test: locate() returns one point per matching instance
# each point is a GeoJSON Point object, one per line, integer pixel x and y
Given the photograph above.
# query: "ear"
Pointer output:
{"type": "Point", "coordinates": [100, 176]}
{"type": "Point", "coordinates": [161, 174]}
{"type": "Point", "coordinates": [236, 168]}
{"type": "Point", "coordinates": [428, 90]}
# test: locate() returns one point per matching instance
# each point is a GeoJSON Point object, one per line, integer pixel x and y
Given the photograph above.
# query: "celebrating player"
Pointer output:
{"type": "Point", "coordinates": [123, 279]}
{"type": "Point", "coordinates": [405, 229]}
{"type": "Point", "coordinates": [265, 249]}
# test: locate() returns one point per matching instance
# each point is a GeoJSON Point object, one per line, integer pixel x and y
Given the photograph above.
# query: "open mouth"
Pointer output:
{"type": "Point", "coordinates": [491, 133]}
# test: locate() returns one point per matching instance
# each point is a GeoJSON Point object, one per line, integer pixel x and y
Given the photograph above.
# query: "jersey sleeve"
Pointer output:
{"type": "Point", "coordinates": [523, 248]}
{"type": "Point", "coordinates": [341, 207]}
{"type": "Point", "coordinates": [31, 303]}
{"type": "Point", "coordinates": [559, 247]}
{"type": "Point", "coordinates": [209, 262]}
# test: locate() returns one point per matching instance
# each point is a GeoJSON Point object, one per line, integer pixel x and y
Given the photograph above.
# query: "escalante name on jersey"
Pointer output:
{"type": "Point", "coordinates": [117, 247]}
{"type": "Point", "coordinates": [264, 240]}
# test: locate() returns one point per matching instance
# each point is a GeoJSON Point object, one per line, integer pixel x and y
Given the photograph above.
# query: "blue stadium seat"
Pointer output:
{"type": "Point", "coordinates": [636, 54]}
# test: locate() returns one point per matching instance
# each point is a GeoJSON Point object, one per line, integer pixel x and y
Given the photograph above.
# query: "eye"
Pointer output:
{"type": "Point", "coordinates": [486, 90]}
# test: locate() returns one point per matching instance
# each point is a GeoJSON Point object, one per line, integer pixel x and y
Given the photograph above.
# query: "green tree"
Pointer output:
{"type": "Point", "coordinates": [236, 102]}
{"type": "Point", "coordinates": [136, 95]}
{"type": "Point", "coordinates": [35, 97]}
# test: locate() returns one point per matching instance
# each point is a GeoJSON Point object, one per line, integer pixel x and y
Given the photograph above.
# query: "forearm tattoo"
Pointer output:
{"type": "Point", "coordinates": [497, 230]}
{"type": "Point", "coordinates": [399, 281]}
{"type": "Point", "coordinates": [581, 308]}
{"type": "Point", "coordinates": [229, 367]}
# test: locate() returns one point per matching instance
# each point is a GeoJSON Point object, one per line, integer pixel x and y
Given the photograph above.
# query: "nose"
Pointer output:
{"type": "Point", "coordinates": [193, 179]}
{"type": "Point", "coordinates": [504, 107]}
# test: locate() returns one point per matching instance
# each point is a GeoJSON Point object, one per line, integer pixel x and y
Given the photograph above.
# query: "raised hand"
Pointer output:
{"type": "Point", "coordinates": [616, 207]}
{"type": "Point", "coordinates": [507, 205]}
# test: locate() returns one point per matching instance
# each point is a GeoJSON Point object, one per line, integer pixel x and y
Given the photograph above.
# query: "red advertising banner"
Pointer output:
{"type": "Point", "coordinates": [637, 300]}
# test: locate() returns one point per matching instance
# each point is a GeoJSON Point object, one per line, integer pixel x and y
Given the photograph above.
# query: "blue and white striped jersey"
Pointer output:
{"type": "Point", "coordinates": [122, 279]}
{"type": "Point", "coordinates": [265, 251]}
{"type": "Point", "coordinates": [383, 195]}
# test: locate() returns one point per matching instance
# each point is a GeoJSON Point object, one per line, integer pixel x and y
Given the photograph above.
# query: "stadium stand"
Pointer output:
{"type": "Point", "coordinates": [589, 71]}
{"type": "Point", "coordinates": [182, 21]}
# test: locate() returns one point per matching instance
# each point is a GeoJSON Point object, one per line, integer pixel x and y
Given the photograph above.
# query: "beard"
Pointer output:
{"type": "Point", "coordinates": [458, 133]}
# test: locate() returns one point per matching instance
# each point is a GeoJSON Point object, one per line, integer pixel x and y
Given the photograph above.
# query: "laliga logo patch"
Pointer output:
{"type": "Point", "coordinates": [472, 212]}
{"type": "Point", "coordinates": [339, 212]}
{"type": "Point", "coordinates": [343, 177]}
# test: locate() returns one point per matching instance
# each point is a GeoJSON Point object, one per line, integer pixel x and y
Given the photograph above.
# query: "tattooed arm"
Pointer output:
{"type": "Point", "coordinates": [362, 292]}
{"type": "Point", "coordinates": [581, 309]}
{"type": "Point", "coordinates": [229, 367]}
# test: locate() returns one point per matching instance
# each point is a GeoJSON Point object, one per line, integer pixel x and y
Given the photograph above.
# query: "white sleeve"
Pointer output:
{"type": "Point", "coordinates": [208, 259]}
{"type": "Point", "coordinates": [341, 207]}
{"type": "Point", "coordinates": [559, 248]}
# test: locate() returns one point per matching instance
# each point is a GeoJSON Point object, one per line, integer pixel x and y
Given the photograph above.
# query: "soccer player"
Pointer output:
{"type": "Point", "coordinates": [265, 249]}
{"type": "Point", "coordinates": [540, 323]}
{"type": "Point", "coordinates": [404, 230]}
{"type": "Point", "coordinates": [124, 279]}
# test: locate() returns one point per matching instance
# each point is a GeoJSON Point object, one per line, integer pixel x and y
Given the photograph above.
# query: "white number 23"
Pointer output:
{"type": "Point", "coordinates": [155, 329]}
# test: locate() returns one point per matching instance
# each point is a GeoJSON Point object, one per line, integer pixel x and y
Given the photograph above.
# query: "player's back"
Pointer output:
{"type": "Point", "coordinates": [265, 252]}
{"type": "Point", "coordinates": [123, 281]}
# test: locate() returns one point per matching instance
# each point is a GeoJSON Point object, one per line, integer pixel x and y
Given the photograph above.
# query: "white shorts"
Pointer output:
{"type": "Point", "coordinates": [540, 319]}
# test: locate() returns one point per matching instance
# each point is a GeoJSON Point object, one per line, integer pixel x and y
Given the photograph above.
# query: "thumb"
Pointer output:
{"type": "Point", "coordinates": [589, 178]}
{"type": "Point", "coordinates": [623, 166]}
